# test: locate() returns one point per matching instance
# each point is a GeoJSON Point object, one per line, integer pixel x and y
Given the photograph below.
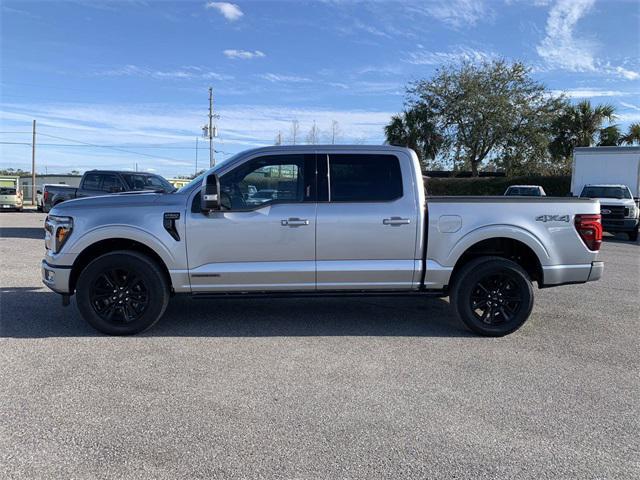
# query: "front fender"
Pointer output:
{"type": "Point", "coordinates": [127, 232]}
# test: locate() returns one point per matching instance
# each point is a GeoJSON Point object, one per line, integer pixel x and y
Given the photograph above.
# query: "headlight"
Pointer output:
{"type": "Point", "coordinates": [630, 212]}
{"type": "Point", "coordinates": [57, 231]}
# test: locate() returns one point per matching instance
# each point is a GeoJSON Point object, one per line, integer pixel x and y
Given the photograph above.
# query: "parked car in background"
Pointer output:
{"type": "Point", "coordinates": [10, 194]}
{"type": "Point", "coordinates": [619, 211]}
{"type": "Point", "coordinates": [525, 191]}
{"type": "Point", "coordinates": [344, 220]}
{"type": "Point", "coordinates": [261, 196]}
{"type": "Point", "coordinates": [104, 182]}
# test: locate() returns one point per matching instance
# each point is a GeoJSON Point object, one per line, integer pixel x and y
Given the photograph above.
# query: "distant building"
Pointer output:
{"type": "Point", "coordinates": [178, 182]}
{"type": "Point", "coordinates": [25, 182]}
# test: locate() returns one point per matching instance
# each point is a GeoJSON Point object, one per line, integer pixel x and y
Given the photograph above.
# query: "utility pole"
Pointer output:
{"type": "Point", "coordinates": [196, 172]}
{"type": "Point", "coordinates": [33, 165]}
{"type": "Point", "coordinates": [212, 160]}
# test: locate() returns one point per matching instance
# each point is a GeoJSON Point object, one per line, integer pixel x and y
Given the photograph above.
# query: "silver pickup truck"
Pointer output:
{"type": "Point", "coordinates": [316, 220]}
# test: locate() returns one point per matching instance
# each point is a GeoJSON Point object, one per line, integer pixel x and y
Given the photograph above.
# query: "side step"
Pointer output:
{"type": "Point", "coordinates": [323, 293]}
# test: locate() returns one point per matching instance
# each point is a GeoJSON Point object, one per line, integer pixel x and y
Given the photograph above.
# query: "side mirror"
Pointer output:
{"type": "Point", "coordinates": [210, 193]}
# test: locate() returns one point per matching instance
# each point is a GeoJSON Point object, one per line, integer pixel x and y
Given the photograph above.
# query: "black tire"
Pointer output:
{"type": "Point", "coordinates": [122, 293]}
{"type": "Point", "coordinates": [492, 296]}
{"type": "Point", "coordinates": [633, 236]}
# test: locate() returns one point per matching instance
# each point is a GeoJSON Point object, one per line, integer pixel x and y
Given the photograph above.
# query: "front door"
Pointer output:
{"type": "Point", "coordinates": [264, 237]}
{"type": "Point", "coordinates": [367, 222]}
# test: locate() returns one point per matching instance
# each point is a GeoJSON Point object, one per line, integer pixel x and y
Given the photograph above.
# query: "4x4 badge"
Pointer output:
{"type": "Point", "coordinates": [552, 218]}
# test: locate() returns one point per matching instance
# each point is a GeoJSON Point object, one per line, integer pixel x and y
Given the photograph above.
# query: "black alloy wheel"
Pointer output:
{"type": "Point", "coordinates": [493, 296]}
{"type": "Point", "coordinates": [122, 292]}
{"type": "Point", "coordinates": [119, 295]}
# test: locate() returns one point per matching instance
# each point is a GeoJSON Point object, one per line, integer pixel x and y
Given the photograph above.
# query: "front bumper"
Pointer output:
{"type": "Point", "coordinates": [56, 277]}
{"type": "Point", "coordinates": [619, 225]}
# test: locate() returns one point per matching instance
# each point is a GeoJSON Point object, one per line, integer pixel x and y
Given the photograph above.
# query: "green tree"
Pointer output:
{"type": "Point", "coordinates": [413, 129]}
{"type": "Point", "coordinates": [483, 110]}
{"type": "Point", "coordinates": [610, 136]}
{"type": "Point", "coordinates": [578, 126]}
{"type": "Point", "coordinates": [633, 135]}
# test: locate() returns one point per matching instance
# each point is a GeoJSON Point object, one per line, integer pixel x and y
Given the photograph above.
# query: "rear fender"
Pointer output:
{"type": "Point", "coordinates": [497, 231]}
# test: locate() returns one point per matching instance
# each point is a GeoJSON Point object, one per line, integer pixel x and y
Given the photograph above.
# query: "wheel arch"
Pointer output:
{"type": "Point", "coordinates": [101, 247]}
{"type": "Point", "coordinates": [504, 247]}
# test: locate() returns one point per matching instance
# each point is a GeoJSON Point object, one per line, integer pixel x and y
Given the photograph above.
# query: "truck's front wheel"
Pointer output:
{"type": "Point", "coordinates": [122, 293]}
{"type": "Point", "coordinates": [492, 296]}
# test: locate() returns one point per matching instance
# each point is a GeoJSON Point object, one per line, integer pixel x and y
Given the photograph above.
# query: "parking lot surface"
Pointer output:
{"type": "Point", "coordinates": [318, 388]}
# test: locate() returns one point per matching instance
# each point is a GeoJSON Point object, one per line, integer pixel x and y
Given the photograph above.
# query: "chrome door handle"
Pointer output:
{"type": "Point", "coordinates": [294, 222]}
{"type": "Point", "coordinates": [396, 221]}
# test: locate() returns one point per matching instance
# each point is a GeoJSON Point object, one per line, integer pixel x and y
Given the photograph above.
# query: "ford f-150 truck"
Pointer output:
{"type": "Point", "coordinates": [103, 182]}
{"type": "Point", "coordinates": [619, 210]}
{"type": "Point", "coordinates": [342, 220]}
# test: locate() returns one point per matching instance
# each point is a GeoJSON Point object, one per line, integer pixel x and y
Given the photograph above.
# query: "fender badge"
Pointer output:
{"type": "Point", "coordinates": [552, 218]}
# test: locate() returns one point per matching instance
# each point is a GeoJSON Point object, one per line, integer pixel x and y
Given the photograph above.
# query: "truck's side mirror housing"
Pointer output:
{"type": "Point", "coordinates": [210, 196]}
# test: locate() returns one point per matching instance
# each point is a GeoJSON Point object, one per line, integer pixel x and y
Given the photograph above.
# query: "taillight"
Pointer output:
{"type": "Point", "coordinates": [45, 196]}
{"type": "Point", "coordinates": [589, 228]}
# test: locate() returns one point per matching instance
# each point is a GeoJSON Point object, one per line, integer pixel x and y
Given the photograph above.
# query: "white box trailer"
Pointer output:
{"type": "Point", "coordinates": [606, 166]}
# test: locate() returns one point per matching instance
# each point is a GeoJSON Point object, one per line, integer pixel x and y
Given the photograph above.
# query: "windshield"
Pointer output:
{"type": "Point", "coordinates": [524, 191]}
{"type": "Point", "coordinates": [605, 192]}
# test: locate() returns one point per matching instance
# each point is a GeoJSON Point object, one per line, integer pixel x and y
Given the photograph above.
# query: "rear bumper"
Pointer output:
{"type": "Point", "coordinates": [56, 277]}
{"type": "Point", "coordinates": [556, 275]}
{"type": "Point", "coordinates": [626, 225]}
{"type": "Point", "coordinates": [597, 268]}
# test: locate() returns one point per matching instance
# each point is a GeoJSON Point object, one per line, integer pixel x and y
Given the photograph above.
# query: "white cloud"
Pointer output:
{"type": "Point", "coordinates": [243, 54]}
{"type": "Point", "coordinates": [628, 74]}
{"type": "Point", "coordinates": [423, 57]}
{"type": "Point", "coordinates": [275, 78]}
{"type": "Point", "coordinates": [182, 73]}
{"type": "Point", "coordinates": [589, 93]}
{"type": "Point", "coordinates": [141, 125]}
{"type": "Point", "coordinates": [230, 11]}
{"type": "Point", "coordinates": [560, 48]}
{"type": "Point", "coordinates": [458, 13]}
{"type": "Point", "coordinates": [630, 105]}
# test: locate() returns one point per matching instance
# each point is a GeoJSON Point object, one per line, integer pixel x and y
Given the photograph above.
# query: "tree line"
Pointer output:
{"type": "Point", "coordinates": [493, 113]}
{"type": "Point", "coordinates": [315, 134]}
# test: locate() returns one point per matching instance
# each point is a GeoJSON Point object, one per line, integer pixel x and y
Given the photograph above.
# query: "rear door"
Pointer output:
{"type": "Point", "coordinates": [366, 223]}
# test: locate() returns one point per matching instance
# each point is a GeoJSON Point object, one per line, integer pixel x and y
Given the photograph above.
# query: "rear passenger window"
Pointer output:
{"type": "Point", "coordinates": [364, 178]}
{"type": "Point", "coordinates": [91, 181]}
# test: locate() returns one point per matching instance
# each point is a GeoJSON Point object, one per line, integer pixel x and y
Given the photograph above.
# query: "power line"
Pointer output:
{"type": "Point", "coordinates": [65, 145]}
{"type": "Point", "coordinates": [112, 148]}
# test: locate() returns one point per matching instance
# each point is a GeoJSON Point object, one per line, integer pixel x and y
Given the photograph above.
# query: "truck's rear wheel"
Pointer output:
{"type": "Point", "coordinates": [492, 296]}
{"type": "Point", "coordinates": [122, 293]}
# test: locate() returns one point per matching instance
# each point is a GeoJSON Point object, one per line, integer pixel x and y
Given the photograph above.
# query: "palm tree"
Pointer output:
{"type": "Point", "coordinates": [587, 121]}
{"type": "Point", "coordinates": [610, 136]}
{"type": "Point", "coordinates": [633, 134]}
{"type": "Point", "coordinates": [578, 126]}
{"type": "Point", "coordinates": [413, 129]}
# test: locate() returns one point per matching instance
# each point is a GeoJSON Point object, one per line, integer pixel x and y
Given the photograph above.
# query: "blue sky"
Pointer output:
{"type": "Point", "coordinates": [134, 74]}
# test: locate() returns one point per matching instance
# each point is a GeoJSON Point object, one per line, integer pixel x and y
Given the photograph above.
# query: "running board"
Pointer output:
{"type": "Point", "coordinates": [323, 293]}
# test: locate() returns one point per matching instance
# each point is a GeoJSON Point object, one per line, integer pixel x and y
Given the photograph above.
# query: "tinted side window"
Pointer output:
{"type": "Point", "coordinates": [364, 178]}
{"type": "Point", "coordinates": [111, 183]}
{"type": "Point", "coordinates": [268, 179]}
{"type": "Point", "coordinates": [91, 181]}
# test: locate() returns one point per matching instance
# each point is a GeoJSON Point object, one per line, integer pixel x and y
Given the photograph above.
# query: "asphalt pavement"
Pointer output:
{"type": "Point", "coordinates": [318, 388]}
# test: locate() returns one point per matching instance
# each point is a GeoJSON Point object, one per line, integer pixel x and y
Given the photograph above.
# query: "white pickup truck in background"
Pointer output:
{"type": "Point", "coordinates": [610, 175]}
{"type": "Point", "coordinates": [339, 220]}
